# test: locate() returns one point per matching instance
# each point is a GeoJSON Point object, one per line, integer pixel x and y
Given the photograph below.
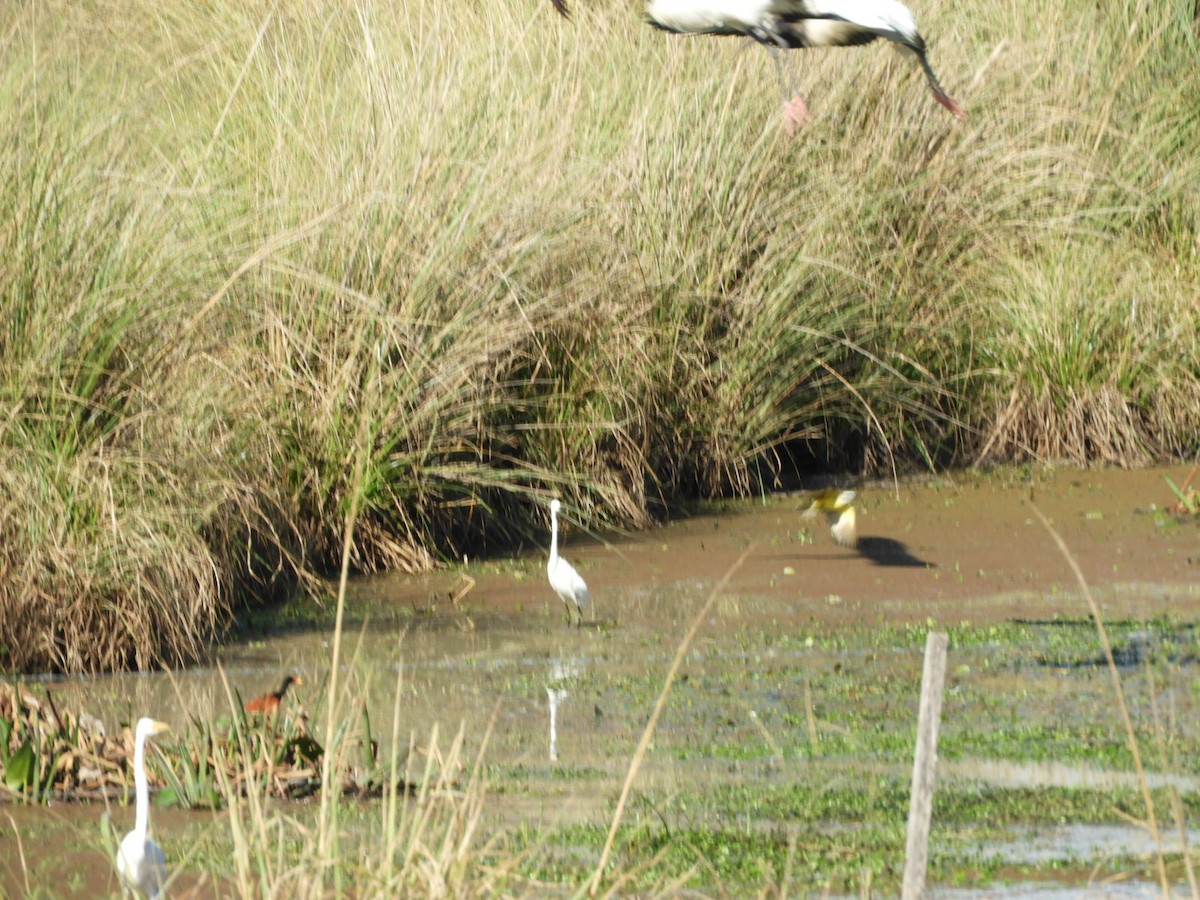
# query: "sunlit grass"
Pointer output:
{"type": "Point", "coordinates": [531, 256]}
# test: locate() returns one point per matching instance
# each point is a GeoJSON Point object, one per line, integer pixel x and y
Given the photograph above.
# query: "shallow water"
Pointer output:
{"type": "Point", "coordinates": [766, 674]}
{"type": "Point", "coordinates": [1119, 890]}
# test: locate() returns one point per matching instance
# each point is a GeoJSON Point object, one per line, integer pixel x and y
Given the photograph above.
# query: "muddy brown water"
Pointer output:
{"type": "Point", "coordinates": [964, 548]}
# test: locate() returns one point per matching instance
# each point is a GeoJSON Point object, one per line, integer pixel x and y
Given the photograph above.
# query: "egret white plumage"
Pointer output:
{"type": "Point", "coordinates": [838, 507]}
{"type": "Point", "coordinates": [796, 24]}
{"type": "Point", "coordinates": [140, 861]}
{"type": "Point", "coordinates": [567, 583]}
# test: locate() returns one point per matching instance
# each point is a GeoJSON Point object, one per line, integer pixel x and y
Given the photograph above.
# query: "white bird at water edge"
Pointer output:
{"type": "Point", "coordinates": [796, 24]}
{"type": "Point", "coordinates": [140, 861]}
{"type": "Point", "coordinates": [567, 583]}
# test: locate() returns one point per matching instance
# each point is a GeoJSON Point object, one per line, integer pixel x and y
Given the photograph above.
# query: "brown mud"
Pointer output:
{"type": "Point", "coordinates": [963, 547]}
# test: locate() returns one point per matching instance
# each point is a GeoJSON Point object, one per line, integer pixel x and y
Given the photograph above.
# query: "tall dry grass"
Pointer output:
{"type": "Point", "coordinates": [526, 256]}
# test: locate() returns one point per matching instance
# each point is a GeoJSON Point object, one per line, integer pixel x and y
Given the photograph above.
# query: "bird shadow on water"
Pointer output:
{"type": "Point", "coordinates": [889, 552]}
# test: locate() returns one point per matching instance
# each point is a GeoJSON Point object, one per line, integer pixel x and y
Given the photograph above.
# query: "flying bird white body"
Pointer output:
{"type": "Point", "coordinates": [794, 24]}
{"type": "Point", "coordinates": [567, 583]}
{"type": "Point", "coordinates": [140, 861]}
{"type": "Point", "coordinates": [829, 21]}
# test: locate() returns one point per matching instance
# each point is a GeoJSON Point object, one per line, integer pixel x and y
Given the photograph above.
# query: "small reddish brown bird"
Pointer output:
{"type": "Point", "coordinates": [268, 704]}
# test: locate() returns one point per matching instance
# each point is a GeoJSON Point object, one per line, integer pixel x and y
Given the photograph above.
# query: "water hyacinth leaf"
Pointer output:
{"type": "Point", "coordinates": [168, 796]}
{"type": "Point", "coordinates": [18, 773]}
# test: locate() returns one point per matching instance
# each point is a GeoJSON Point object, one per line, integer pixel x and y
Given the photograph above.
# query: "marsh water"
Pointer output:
{"type": "Point", "coordinates": [809, 647]}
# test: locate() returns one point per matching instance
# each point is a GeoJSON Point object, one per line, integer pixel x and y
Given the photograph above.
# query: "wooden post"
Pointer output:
{"type": "Point", "coordinates": [921, 806]}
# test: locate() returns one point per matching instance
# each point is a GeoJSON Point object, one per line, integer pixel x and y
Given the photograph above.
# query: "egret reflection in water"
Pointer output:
{"type": "Point", "coordinates": [561, 673]}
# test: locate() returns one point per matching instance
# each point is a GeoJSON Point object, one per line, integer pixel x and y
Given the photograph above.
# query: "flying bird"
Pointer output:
{"type": "Point", "coordinates": [140, 861]}
{"type": "Point", "coordinates": [268, 704]}
{"type": "Point", "coordinates": [838, 506]}
{"type": "Point", "coordinates": [796, 24]}
{"type": "Point", "coordinates": [567, 583]}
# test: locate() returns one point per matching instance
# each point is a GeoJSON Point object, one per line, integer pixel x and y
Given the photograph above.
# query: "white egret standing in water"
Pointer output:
{"type": "Point", "coordinates": [567, 583]}
{"type": "Point", "coordinates": [140, 861]}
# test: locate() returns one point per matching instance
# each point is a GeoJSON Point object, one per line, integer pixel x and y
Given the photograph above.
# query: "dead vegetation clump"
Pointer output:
{"type": "Point", "coordinates": [47, 753]}
{"type": "Point", "coordinates": [89, 584]}
{"type": "Point", "coordinates": [1080, 428]}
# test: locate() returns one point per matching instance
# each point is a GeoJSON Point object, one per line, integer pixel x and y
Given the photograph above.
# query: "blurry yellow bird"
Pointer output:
{"type": "Point", "coordinates": [838, 508]}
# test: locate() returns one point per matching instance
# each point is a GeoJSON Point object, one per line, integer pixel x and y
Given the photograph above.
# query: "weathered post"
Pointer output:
{"type": "Point", "coordinates": [921, 806]}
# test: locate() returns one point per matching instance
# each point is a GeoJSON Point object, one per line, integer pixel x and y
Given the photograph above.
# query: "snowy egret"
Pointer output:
{"type": "Point", "coordinates": [838, 507]}
{"type": "Point", "coordinates": [567, 583]}
{"type": "Point", "coordinates": [795, 24]}
{"type": "Point", "coordinates": [268, 704]}
{"type": "Point", "coordinates": [140, 861]}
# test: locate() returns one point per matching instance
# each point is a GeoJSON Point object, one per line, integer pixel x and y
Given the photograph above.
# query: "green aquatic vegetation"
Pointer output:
{"type": "Point", "coordinates": [1094, 744]}
{"type": "Point", "coordinates": [732, 857]}
{"type": "Point", "coordinates": [839, 798]}
{"type": "Point", "coordinates": [830, 812]}
{"type": "Point", "coordinates": [738, 857]}
{"type": "Point", "coordinates": [516, 777]}
{"type": "Point", "coordinates": [877, 806]}
{"type": "Point", "coordinates": [962, 804]}
{"type": "Point", "coordinates": [200, 317]}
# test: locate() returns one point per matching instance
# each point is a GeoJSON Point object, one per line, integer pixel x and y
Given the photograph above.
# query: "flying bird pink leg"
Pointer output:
{"type": "Point", "coordinates": [936, 87]}
{"type": "Point", "coordinates": [795, 109]}
{"type": "Point", "coordinates": [947, 101]}
{"type": "Point", "coordinates": [795, 115]}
